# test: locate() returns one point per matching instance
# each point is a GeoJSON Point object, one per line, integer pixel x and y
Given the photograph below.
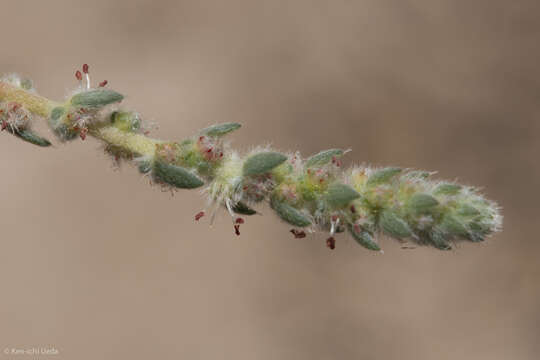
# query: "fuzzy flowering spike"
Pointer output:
{"type": "Point", "coordinates": [309, 194]}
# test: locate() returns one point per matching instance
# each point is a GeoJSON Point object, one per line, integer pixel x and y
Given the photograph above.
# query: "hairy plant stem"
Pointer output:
{"type": "Point", "coordinates": [312, 193]}
{"type": "Point", "coordinates": [136, 144]}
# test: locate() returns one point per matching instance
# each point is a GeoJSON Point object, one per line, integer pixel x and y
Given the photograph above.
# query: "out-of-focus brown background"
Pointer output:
{"type": "Point", "coordinates": [99, 265]}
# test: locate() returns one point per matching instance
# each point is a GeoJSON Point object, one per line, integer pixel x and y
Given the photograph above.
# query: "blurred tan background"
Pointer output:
{"type": "Point", "coordinates": [99, 265]}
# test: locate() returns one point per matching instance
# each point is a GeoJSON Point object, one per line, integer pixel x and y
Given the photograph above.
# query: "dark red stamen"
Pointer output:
{"type": "Point", "coordinates": [199, 215]}
{"type": "Point", "coordinates": [78, 75]}
{"type": "Point", "coordinates": [353, 209]}
{"type": "Point", "coordinates": [237, 229]}
{"type": "Point", "coordinates": [331, 243]}
{"type": "Point", "coordinates": [83, 133]}
{"type": "Point", "coordinates": [298, 234]}
{"type": "Point", "coordinates": [239, 221]}
{"type": "Point", "coordinates": [103, 83]}
{"type": "Point", "coordinates": [85, 68]}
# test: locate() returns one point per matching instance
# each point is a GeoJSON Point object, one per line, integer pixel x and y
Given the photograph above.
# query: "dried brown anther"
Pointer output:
{"type": "Point", "coordinates": [331, 243]}
{"type": "Point", "coordinates": [298, 234]}
{"type": "Point", "coordinates": [199, 215]}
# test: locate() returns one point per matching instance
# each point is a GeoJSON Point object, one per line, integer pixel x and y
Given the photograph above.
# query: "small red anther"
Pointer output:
{"type": "Point", "coordinates": [239, 220]}
{"type": "Point", "coordinates": [334, 218]}
{"type": "Point", "coordinates": [353, 209]}
{"type": "Point", "coordinates": [199, 215]}
{"type": "Point", "coordinates": [220, 154]}
{"type": "Point", "coordinates": [237, 229]}
{"type": "Point", "coordinates": [201, 138]}
{"type": "Point", "coordinates": [209, 150]}
{"type": "Point", "coordinates": [83, 133]}
{"type": "Point", "coordinates": [85, 68]}
{"type": "Point", "coordinates": [298, 234]}
{"type": "Point", "coordinates": [333, 159]}
{"type": "Point", "coordinates": [78, 75]}
{"type": "Point", "coordinates": [331, 243]}
{"type": "Point", "coordinates": [103, 83]}
{"type": "Point", "coordinates": [4, 125]}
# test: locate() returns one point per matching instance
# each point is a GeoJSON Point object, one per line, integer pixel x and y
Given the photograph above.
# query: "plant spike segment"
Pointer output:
{"type": "Point", "coordinates": [311, 194]}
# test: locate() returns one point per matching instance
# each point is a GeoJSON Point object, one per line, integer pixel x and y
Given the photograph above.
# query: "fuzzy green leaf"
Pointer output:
{"type": "Point", "coordinates": [452, 226]}
{"type": "Point", "coordinates": [262, 163]}
{"type": "Point", "coordinates": [126, 121]}
{"type": "Point", "coordinates": [467, 210]}
{"type": "Point", "coordinates": [96, 98]}
{"type": "Point", "coordinates": [421, 203]}
{"type": "Point", "coordinates": [364, 238]}
{"type": "Point", "coordinates": [290, 214]}
{"type": "Point", "coordinates": [32, 138]}
{"type": "Point", "coordinates": [478, 231]}
{"type": "Point", "coordinates": [323, 158]}
{"type": "Point", "coordinates": [339, 194]}
{"type": "Point", "coordinates": [439, 241]}
{"type": "Point", "coordinates": [394, 225]}
{"type": "Point", "coordinates": [57, 112]}
{"type": "Point", "coordinates": [241, 208]}
{"type": "Point", "coordinates": [447, 189]}
{"type": "Point", "coordinates": [175, 175]}
{"type": "Point", "coordinates": [145, 166]}
{"type": "Point", "coordinates": [418, 174]}
{"type": "Point", "coordinates": [220, 129]}
{"type": "Point", "coordinates": [382, 176]}
{"type": "Point", "coordinates": [26, 84]}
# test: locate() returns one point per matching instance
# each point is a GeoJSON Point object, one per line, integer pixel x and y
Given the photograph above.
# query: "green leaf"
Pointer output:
{"type": "Point", "coordinates": [452, 226]}
{"type": "Point", "coordinates": [323, 158]}
{"type": "Point", "coordinates": [467, 210]}
{"type": "Point", "coordinates": [96, 98]}
{"type": "Point", "coordinates": [57, 112]}
{"type": "Point", "coordinates": [145, 166]}
{"type": "Point", "coordinates": [220, 129]}
{"type": "Point", "coordinates": [439, 241]}
{"type": "Point", "coordinates": [26, 84]}
{"type": "Point", "coordinates": [447, 189]}
{"type": "Point", "coordinates": [421, 203]}
{"type": "Point", "coordinates": [478, 231]}
{"type": "Point", "coordinates": [290, 214]}
{"type": "Point", "coordinates": [241, 208]}
{"type": "Point", "coordinates": [339, 194]}
{"type": "Point", "coordinates": [175, 175]}
{"type": "Point", "coordinates": [418, 174]}
{"type": "Point", "coordinates": [32, 138]}
{"type": "Point", "coordinates": [382, 176]}
{"type": "Point", "coordinates": [262, 163]}
{"type": "Point", "coordinates": [364, 238]}
{"type": "Point", "coordinates": [126, 121]}
{"type": "Point", "coordinates": [394, 225]}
